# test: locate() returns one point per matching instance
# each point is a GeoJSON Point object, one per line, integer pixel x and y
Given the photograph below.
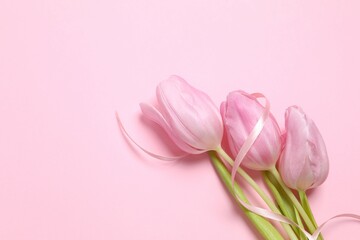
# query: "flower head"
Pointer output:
{"type": "Point", "coordinates": [240, 113]}
{"type": "Point", "coordinates": [304, 161]}
{"type": "Point", "coordinates": [187, 114]}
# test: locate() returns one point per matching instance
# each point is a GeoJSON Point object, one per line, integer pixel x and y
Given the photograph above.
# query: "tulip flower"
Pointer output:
{"type": "Point", "coordinates": [253, 136]}
{"type": "Point", "coordinates": [187, 114]}
{"type": "Point", "coordinates": [304, 161]}
{"type": "Point", "coordinates": [240, 113]}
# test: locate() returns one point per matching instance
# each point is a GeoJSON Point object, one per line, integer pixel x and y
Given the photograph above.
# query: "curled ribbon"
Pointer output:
{"type": "Point", "coordinates": [252, 136]}
{"type": "Point", "coordinates": [239, 158]}
{"type": "Point", "coordinates": [154, 155]}
{"type": "Point", "coordinates": [261, 211]}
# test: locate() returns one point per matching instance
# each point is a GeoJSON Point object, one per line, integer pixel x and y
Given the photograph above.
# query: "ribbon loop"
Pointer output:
{"type": "Point", "coordinates": [154, 155]}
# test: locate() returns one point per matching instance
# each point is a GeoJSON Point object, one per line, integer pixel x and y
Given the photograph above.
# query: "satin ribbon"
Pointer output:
{"type": "Point", "coordinates": [254, 134]}
{"type": "Point", "coordinates": [239, 158]}
{"type": "Point", "coordinates": [154, 155]}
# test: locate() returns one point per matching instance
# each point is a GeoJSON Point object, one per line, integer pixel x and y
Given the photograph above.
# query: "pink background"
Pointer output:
{"type": "Point", "coordinates": [66, 66]}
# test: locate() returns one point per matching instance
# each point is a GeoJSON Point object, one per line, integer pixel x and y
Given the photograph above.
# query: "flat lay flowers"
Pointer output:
{"type": "Point", "coordinates": [255, 137]}
{"type": "Point", "coordinates": [242, 135]}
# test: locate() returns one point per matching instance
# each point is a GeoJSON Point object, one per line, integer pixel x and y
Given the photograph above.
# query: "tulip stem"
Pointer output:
{"type": "Point", "coordinates": [259, 191]}
{"type": "Point", "coordinates": [284, 202]}
{"type": "Point", "coordinates": [295, 201]}
{"type": "Point", "coordinates": [265, 228]}
{"type": "Point", "coordinates": [305, 203]}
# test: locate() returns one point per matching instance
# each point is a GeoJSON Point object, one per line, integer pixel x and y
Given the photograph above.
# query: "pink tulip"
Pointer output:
{"type": "Point", "coordinates": [240, 113]}
{"type": "Point", "coordinates": [187, 114]}
{"type": "Point", "coordinates": [304, 162]}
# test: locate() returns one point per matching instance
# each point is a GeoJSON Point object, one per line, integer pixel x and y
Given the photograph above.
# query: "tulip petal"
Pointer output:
{"type": "Point", "coordinates": [240, 114]}
{"type": "Point", "coordinates": [153, 114]}
{"type": "Point", "coordinates": [304, 162]}
{"type": "Point", "coordinates": [190, 113]}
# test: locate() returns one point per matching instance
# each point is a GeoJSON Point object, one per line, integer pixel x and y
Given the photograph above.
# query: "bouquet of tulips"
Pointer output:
{"type": "Point", "coordinates": [244, 135]}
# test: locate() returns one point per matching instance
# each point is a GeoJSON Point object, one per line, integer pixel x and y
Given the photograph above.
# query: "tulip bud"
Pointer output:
{"type": "Point", "coordinates": [304, 161]}
{"type": "Point", "coordinates": [240, 113]}
{"type": "Point", "coordinates": [187, 114]}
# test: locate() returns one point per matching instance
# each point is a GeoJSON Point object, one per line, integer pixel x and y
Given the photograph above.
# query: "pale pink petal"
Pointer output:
{"type": "Point", "coordinates": [240, 113]}
{"type": "Point", "coordinates": [190, 113]}
{"type": "Point", "coordinates": [304, 162]}
{"type": "Point", "coordinates": [153, 114]}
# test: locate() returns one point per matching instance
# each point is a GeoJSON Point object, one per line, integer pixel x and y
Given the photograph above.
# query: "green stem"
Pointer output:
{"type": "Point", "coordinates": [299, 221]}
{"type": "Point", "coordinates": [257, 188]}
{"type": "Point", "coordinates": [283, 201]}
{"type": "Point", "coordinates": [295, 201]}
{"type": "Point", "coordinates": [305, 204]}
{"type": "Point", "coordinates": [265, 228]}
{"type": "Point", "coordinates": [285, 204]}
